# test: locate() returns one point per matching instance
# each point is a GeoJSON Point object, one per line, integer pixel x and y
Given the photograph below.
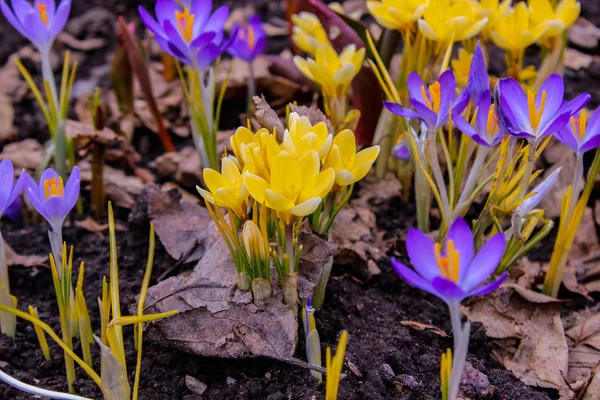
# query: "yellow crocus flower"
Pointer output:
{"type": "Point", "coordinates": [349, 166]}
{"type": "Point", "coordinates": [492, 10]}
{"type": "Point", "coordinates": [461, 67]}
{"type": "Point", "coordinates": [396, 14]}
{"type": "Point", "coordinates": [296, 188]}
{"type": "Point", "coordinates": [301, 137]}
{"type": "Point", "coordinates": [542, 13]}
{"type": "Point", "coordinates": [259, 155]}
{"type": "Point", "coordinates": [514, 32]}
{"type": "Point", "coordinates": [308, 33]}
{"type": "Point", "coordinates": [226, 188]}
{"type": "Point", "coordinates": [446, 21]}
{"type": "Point", "coordinates": [333, 72]}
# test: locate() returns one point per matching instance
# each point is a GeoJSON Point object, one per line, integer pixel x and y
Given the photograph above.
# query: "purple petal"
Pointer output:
{"type": "Point", "coordinates": [176, 43]}
{"type": "Point", "coordinates": [38, 32]}
{"type": "Point", "coordinates": [72, 188]}
{"type": "Point", "coordinates": [593, 125]}
{"type": "Point", "coordinates": [412, 277]}
{"type": "Point", "coordinates": [460, 103]}
{"type": "Point", "coordinates": [401, 151]}
{"type": "Point", "coordinates": [575, 105]}
{"type": "Point", "coordinates": [591, 143]}
{"type": "Point", "coordinates": [555, 92]}
{"type": "Point", "coordinates": [469, 130]}
{"type": "Point", "coordinates": [556, 124]}
{"type": "Point", "coordinates": [54, 207]}
{"type": "Point", "coordinates": [60, 19]}
{"type": "Point", "coordinates": [483, 110]}
{"type": "Point", "coordinates": [165, 11]}
{"type": "Point", "coordinates": [485, 262]}
{"type": "Point", "coordinates": [447, 95]}
{"type": "Point", "coordinates": [259, 47]}
{"type": "Point", "coordinates": [448, 290]}
{"type": "Point", "coordinates": [425, 114]}
{"type": "Point", "coordinates": [48, 174]}
{"type": "Point", "coordinates": [207, 55]}
{"type": "Point", "coordinates": [414, 84]}
{"type": "Point", "coordinates": [13, 211]}
{"type": "Point", "coordinates": [461, 235]}
{"type": "Point", "coordinates": [490, 287]}
{"type": "Point", "coordinates": [257, 26]}
{"type": "Point", "coordinates": [421, 252]}
{"type": "Point", "coordinates": [203, 39]}
{"type": "Point", "coordinates": [12, 19]}
{"type": "Point", "coordinates": [151, 23]}
{"type": "Point", "coordinates": [21, 8]}
{"type": "Point", "coordinates": [216, 22]}
{"type": "Point", "coordinates": [566, 136]}
{"type": "Point", "coordinates": [513, 102]}
{"type": "Point", "coordinates": [50, 6]}
{"type": "Point", "coordinates": [32, 193]}
{"type": "Point", "coordinates": [478, 76]}
{"type": "Point", "coordinates": [400, 110]}
{"type": "Point", "coordinates": [16, 190]}
{"type": "Point", "coordinates": [201, 10]}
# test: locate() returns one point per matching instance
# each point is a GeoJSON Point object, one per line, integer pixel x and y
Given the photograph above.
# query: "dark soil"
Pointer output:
{"type": "Point", "coordinates": [384, 360]}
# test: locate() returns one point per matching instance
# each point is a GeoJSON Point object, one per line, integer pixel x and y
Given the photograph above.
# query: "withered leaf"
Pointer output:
{"type": "Point", "coordinates": [14, 259]}
{"type": "Point", "coordinates": [267, 117]}
{"type": "Point", "coordinates": [314, 115]}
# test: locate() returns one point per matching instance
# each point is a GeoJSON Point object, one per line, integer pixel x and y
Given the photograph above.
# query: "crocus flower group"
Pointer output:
{"type": "Point", "coordinates": [191, 34]}
{"type": "Point", "coordinates": [39, 22]}
{"type": "Point", "coordinates": [453, 271]}
{"type": "Point", "coordinates": [251, 40]}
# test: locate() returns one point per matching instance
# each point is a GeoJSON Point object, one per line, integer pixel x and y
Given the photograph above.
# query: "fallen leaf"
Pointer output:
{"type": "Point", "coordinates": [577, 60]}
{"type": "Point", "coordinates": [314, 115]}
{"type": "Point", "coordinates": [182, 166]}
{"type": "Point", "coordinates": [593, 390]}
{"type": "Point", "coordinates": [267, 117]}
{"type": "Point", "coordinates": [7, 115]}
{"type": "Point", "coordinates": [316, 252]}
{"type": "Point", "coordinates": [532, 342]}
{"type": "Point", "coordinates": [216, 319]}
{"type": "Point", "coordinates": [26, 154]}
{"type": "Point", "coordinates": [584, 34]}
{"type": "Point", "coordinates": [584, 349]}
{"type": "Point", "coordinates": [14, 259]}
{"type": "Point", "coordinates": [424, 327]}
{"type": "Point", "coordinates": [85, 133]}
{"type": "Point", "coordinates": [81, 45]}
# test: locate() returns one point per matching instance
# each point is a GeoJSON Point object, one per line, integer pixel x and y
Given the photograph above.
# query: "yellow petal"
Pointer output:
{"type": "Point", "coordinates": [306, 208]}
{"type": "Point", "coordinates": [286, 175]}
{"type": "Point", "coordinates": [230, 171]}
{"type": "Point", "coordinates": [426, 30]}
{"type": "Point", "coordinates": [206, 195]}
{"type": "Point", "coordinates": [318, 186]}
{"type": "Point", "coordinates": [256, 186]}
{"type": "Point", "coordinates": [344, 178]}
{"type": "Point", "coordinates": [277, 201]}
{"type": "Point", "coordinates": [214, 180]}
{"type": "Point", "coordinates": [227, 198]}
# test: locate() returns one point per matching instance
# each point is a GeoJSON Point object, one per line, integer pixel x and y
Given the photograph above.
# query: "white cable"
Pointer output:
{"type": "Point", "coordinates": [38, 391]}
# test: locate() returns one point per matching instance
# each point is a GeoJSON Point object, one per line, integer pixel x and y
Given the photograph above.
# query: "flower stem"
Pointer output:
{"type": "Point", "coordinates": [251, 92]}
{"type": "Point", "coordinates": [461, 335]}
{"type": "Point", "coordinates": [8, 321]}
{"type": "Point", "coordinates": [528, 169]}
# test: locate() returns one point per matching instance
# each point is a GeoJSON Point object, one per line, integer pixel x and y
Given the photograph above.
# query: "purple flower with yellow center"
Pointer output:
{"type": "Point", "coordinates": [432, 104]}
{"type": "Point", "coordinates": [453, 272]}
{"type": "Point", "coordinates": [39, 22]}
{"type": "Point", "coordinates": [251, 40]}
{"type": "Point", "coordinates": [531, 116]}
{"type": "Point", "coordinates": [51, 198]}
{"type": "Point", "coordinates": [483, 128]}
{"type": "Point", "coordinates": [400, 150]}
{"type": "Point", "coordinates": [580, 134]}
{"type": "Point", "coordinates": [191, 34]}
{"type": "Point", "coordinates": [8, 193]}
{"type": "Point", "coordinates": [479, 81]}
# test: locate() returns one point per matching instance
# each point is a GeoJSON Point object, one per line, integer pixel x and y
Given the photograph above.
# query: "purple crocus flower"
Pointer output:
{"type": "Point", "coordinates": [431, 103]}
{"type": "Point", "coordinates": [485, 131]}
{"type": "Point", "coordinates": [454, 272]}
{"type": "Point", "coordinates": [51, 198]}
{"type": "Point", "coordinates": [8, 192]}
{"type": "Point", "coordinates": [580, 134]}
{"type": "Point", "coordinates": [479, 81]}
{"type": "Point", "coordinates": [531, 116]}
{"type": "Point", "coordinates": [192, 34]}
{"type": "Point", "coordinates": [39, 22]}
{"type": "Point", "coordinates": [251, 40]}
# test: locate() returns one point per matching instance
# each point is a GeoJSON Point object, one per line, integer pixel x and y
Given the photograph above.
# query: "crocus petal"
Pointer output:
{"type": "Point", "coordinates": [566, 136]}
{"type": "Point", "coordinates": [216, 22]}
{"type": "Point", "coordinates": [421, 252]}
{"type": "Point", "coordinates": [555, 93]}
{"type": "Point", "coordinates": [485, 262]}
{"type": "Point", "coordinates": [447, 290]}
{"type": "Point", "coordinates": [412, 277]}
{"type": "Point", "coordinates": [490, 287]}
{"type": "Point", "coordinates": [203, 39]}
{"type": "Point", "coordinates": [71, 193]}
{"type": "Point", "coordinates": [47, 175]}
{"type": "Point", "coordinates": [12, 19]}
{"type": "Point", "coordinates": [60, 18]}
{"type": "Point", "coordinates": [401, 110]}
{"type": "Point", "coordinates": [16, 191]}
{"type": "Point", "coordinates": [165, 11]}
{"type": "Point", "coordinates": [151, 23]}
{"type": "Point", "coordinates": [593, 125]}
{"type": "Point", "coordinates": [590, 144]}
{"type": "Point", "coordinates": [21, 8]}
{"type": "Point", "coordinates": [461, 235]}
{"type": "Point", "coordinates": [478, 76]}
{"type": "Point", "coordinates": [540, 192]}
{"type": "Point", "coordinates": [207, 55]}
{"type": "Point", "coordinates": [201, 10]}
{"type": "Point", "coordinates": [513, 102]}
{"type": "Point", "coordinates": [556, 124]}
{"type": "Point", "coordinates": [468, 130]}
{"type": "Point", "coordinates": [575, 105]}
{"type": "Point", "coordinates": [415, 84]}
{"type": "Point", "coordinates": [38, 33]}
{"type": "Point", "coordinates": [425, 114]}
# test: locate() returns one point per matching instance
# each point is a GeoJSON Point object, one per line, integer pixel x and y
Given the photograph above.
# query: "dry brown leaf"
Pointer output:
{"type": "Point", "coordinates": [577, 60]}
{"type": "Point", "coordinates": [14, 259]}
{"type": "Point", "coordinates": [354, 230]}
{"type": "Point", "coordinates": [26, 154]}
{"type": "Point", "coordinates": [185, 195]}
{"type": "Point", "coordinates": [216, 319]}
{"type": "Point", "coordinates": [584, 345]}
{"type": "Point", "coordinates": [530, 321]}
{"type": "Point", "coordinates": [267, 117]}
{"type": "Point", "coordinates": [120, 188]}
{"type": "Point", "coordinates": [81, 45]}
{"type": "Point", "coordinates": [375, 192]}
{"type": "Point", "coordinates": [424, 327]}
{"type": "Point", "coordinates": [84, 133]}
{"type": "Point", "coordinates": [7, 115]}
{"type": "Point", "coordinates": [182, 166]}
{"type": "Point", "coordinates": [314, 115]}
{"type": "Point", "coordinates": [584, 34]}
{"type": "Point", "coordinates": [586, 241]}
{"type": "Point", "coordinates": [316, 252]}
{"type": "Point", "coordinates": [593, 390]}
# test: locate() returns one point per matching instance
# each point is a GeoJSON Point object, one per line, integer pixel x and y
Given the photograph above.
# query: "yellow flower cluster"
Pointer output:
{"type": "Point", "coordinates": [291, 177]}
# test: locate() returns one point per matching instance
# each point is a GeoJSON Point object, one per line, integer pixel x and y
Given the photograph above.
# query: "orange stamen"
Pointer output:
{"type": "Point", "coordinates": [579, 125]}
{"type": "Point", "coordinates": [436, 96]}
{"type": "Point", "coordinates": [449, 265]}
{"type": "Point", "coordinates": [492, 121]}
{"type": "Point", "coordinates": [52, 188]}
{"type": "Point", "coordinates": [185, 23]}
{"type": "Point", "coordinates": [535, 114]}
{"type": "Point", "coordinates": [250, 38]}
{"type": "Point", "coordinates": [43, 9]}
